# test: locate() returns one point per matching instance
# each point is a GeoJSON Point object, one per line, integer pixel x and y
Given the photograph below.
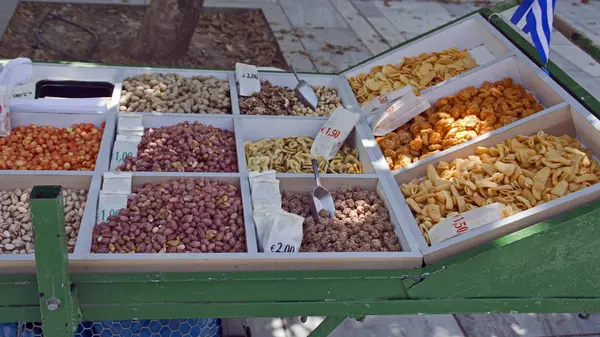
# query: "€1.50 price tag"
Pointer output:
{"type": "Point", "coordinates": [247, 78]}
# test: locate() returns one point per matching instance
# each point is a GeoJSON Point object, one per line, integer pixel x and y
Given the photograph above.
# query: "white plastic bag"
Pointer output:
{"type": "Point", "coordinates": [334, 133]}
{"type": "Point", "coordinates": [285, 233]}
{"type": "Point", "coordinates": [263, 221]}
{"type": "Point", "coordinates": [265, 193]}
{"type": "Point", "coordinates": [4, 112]}
{"type": "Point", "coordinates": [461, 223]}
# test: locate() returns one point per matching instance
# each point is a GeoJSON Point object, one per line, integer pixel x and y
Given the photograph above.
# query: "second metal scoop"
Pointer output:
{"type": "Point", "coordinates": [305, 92]}
{"type": "Point", "coordinates": [320, 198]}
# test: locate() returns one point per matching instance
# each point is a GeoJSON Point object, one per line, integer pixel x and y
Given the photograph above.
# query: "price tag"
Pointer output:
{"type": "Point", "coordinates": [285, 235]}
{"type": "Point", "coordinates": [109, 204]}
{"type": "Point", "coordinates": [118, 182]}
{"type": "Point", "coordinates": [461, 223]}
{"type": "Point", "coordinates": [130, 124]}
{"type": "Point", "coordinates": [125, 146]}
{"type": "Point", "coordinates": [25, 91]}
{"type": "Point", "coordinates": [129, 133]}
{"type": "Point", "coordinates": [334, 133]}
{"type": "Point", "coordinates": [281, 247]}
{"type": "Point", "coordinates": [247, 78]}
{"type": "Point", "coordinates": [385, 99]}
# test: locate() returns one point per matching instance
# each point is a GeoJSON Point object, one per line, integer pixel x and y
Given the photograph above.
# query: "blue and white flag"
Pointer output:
{"type": "Point", "coordinates": [535, 18]}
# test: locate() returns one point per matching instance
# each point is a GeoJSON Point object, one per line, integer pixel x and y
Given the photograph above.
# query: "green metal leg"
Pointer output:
{"type": "Point", "coordinates": [58, 304]}
{"type": "Point", "coordinates": [327, 326]}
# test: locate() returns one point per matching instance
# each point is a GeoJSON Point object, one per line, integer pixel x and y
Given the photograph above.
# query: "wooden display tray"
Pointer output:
{"type": "Point", "coordinates": [561, 110]}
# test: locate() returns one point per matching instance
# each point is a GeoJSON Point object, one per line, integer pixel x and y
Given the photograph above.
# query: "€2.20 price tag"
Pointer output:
{"type": "Point", "coordinates": [125, 146]}
{"type": "Point", "coordinates": [247, 78]}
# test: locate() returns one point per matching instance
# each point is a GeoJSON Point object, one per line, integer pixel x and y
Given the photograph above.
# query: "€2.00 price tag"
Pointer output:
{"type": "Point", "coordinates": [25, 91]}
{"type": "Point", "coordinates": [247, 77]}
{"type": "Point", "coordinates": [109, 204]}
{"type": "Point", "coordinates": [125, 146]}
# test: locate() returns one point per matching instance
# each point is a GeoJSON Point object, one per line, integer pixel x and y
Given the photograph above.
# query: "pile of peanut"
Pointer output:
{"type": "Point", "coordinates": [152, 92]}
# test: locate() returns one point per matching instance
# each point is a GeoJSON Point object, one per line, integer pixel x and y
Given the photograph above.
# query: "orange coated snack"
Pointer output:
{"type": "Point", "coordinates": [456, 119]}
{"type": "Point", "coordinates": [35, 147]}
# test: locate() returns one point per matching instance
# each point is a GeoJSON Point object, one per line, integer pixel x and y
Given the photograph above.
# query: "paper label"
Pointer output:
{"type": "Point", "coordinates": [130, 123]}
{"type": "Point", "coordinates": [461, 223]}
{"type": "Point", "coordinates": [25, 91]}
{"type": "Point", "coordinates": [4, 116]}
{"type": "Point", "coordinates": [109, 204]}
{"type": "Point", "coordinates": [125, 146]}
{"type": "Point", "coordinates": [334, 133]}
{"type": "Point", "coordinates": [398, 114]}
{"type": "Point", "coordinates": [382, 101]}
{"type": "Point", "coordinates": [285, 235]}
{"type": "Point", "coordinates": [247, 78]}
{"type": "Point", "coordinates": [117, 182]}
{"type": "Point", "coordinates": [265, 192]}
{"type": "Point", "coordinates": [263, 221]}
{"type": "Point", "coordinates": [254, 175]}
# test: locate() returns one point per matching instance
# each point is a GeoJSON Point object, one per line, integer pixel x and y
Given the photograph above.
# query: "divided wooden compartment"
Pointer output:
{"type": "Point", "coordinates": [25, 263]}
{"type": "Point", "coordinates": [510, 66]}
{"type": "Point", "coordinates": [558, 120]}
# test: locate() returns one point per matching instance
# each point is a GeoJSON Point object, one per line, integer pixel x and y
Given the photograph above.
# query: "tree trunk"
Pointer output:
{"type": "Point", "coordinates": [167, 29]}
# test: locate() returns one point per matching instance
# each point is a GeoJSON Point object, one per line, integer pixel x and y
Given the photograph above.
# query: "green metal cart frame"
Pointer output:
{"type": "Point", "coordinates": [550, 267]}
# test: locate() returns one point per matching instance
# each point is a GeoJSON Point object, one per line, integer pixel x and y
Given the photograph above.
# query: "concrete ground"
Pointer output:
{"type": "Point", "coordinates": [364, 28]}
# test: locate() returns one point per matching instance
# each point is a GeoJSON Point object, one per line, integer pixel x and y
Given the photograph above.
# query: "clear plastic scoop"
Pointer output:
{"type": "Point", "coordinates": [305, 92]}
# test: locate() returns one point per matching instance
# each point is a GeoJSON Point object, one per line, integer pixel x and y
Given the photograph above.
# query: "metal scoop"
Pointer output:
{"type": "Point", "coordinates": [321, 198]}
{"type": "Point", "coordinates": [305, 92]}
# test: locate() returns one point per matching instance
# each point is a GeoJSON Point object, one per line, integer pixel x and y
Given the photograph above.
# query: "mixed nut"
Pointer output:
{"type": "Point", "coordinates": [186, 215]}
{"type": "Point", "coordinates": [277, 100]}
{"type": "Point", "coordinates": [456, 119]}
{"type": "Point", "coordinates": [184, 147]}
{"type": "Point", "coordinates": [292, 155]}
{"type": "Point", "coordinates": [421, 71]}
{"type": "Point", "coordinates": [521, 172]}
{"type": "Point", "coordinates": [16, 229]}
{"type": "Point", "coordinates": [156, 92]}
{"type": "Point", "coordinates": [361, 223]}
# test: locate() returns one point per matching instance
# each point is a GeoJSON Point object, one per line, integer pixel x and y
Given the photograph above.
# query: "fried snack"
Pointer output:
{"type": "Point", "coordinates": [456, 119]}
{"type": "Point", "coordinates": [521, 172]}
{"type": "Point", "coordinates": [292, 155]}
{"type": "Point", "coordinates": [422, 71]}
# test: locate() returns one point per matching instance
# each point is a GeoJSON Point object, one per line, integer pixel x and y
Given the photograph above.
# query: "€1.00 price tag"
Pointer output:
{"type": "Point", "coordinates": [25, 91]}
{"type": "Point", "coordinates": [125, 146]}
{"type": "Point", "coordinates": [117, 182]}
{"type": "Point", "coordinates": [109, 204]}
{"type": "Point", "coordinates": [247, 77]}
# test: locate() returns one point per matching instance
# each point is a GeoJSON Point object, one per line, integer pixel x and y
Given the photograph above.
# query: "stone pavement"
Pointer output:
{"type": "Point", "coordinates": [330, 35]}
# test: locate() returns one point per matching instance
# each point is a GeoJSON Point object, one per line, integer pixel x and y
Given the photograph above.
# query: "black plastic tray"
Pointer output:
{"type": "Point", "coordinates": [73, 89]}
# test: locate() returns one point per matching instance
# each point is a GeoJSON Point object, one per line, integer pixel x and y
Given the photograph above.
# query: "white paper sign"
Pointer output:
{"type": "Point", "coordinates": [384, 100]}
{"type": "Point", "coordinates": [25, 91]}
{"type": "Point", "coordinates": [285, 235]}
{"type": "Point", "coordinates": [265, 192]}
{"type": "Point", "coordinates": [334, 133]}
{"type": "Point", "coordinates": [4, 112]}
{"type": "Point", "coordinates": [109, 204]}
{"type": "Point", "coordinates": [247, 78]}
{"type": "Point", "coordinates": [118, 182]}
{"type": "Point", "coordinates": [125, 146]}
{"type": "Point", "coordinates": [461, 223]}
{"type": "Point", "coordinates": [254, 175]}
{"type": "Point", "coordinates": [130, 124]}
{"type": "Point", "coordinates": [398, 114]}
{"type": "Point", "coordinates": [263, 221]}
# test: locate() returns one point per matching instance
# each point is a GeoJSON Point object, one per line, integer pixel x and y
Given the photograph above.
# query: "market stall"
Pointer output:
{"type": "Point", "coordinates": [155, 216]}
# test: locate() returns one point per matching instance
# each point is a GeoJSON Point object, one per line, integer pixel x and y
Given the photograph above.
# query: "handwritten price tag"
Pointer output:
{"type": "Point", "coordinates": [461, 223]}
{"type": "Point", "coordinates": [25, 91]}
{"type": "Point", "coordinates": [125, 146]}
{"type": "Point", "coordinates": [382, 100]}
{"type": "Point", "coordinates": [333, 133]}
{"type": "Point", "coordinates": [109, 204]}
{"type": "Point", "coordinates": [280, 247]}
{"type": "Point", "coordinates": [247, 78]}
{"type": "Point", "coordinates": [130, 124]}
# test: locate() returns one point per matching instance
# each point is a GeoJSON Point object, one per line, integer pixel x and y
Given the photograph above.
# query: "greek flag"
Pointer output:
{"type": "Point", "coordinates": [535, 18]}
